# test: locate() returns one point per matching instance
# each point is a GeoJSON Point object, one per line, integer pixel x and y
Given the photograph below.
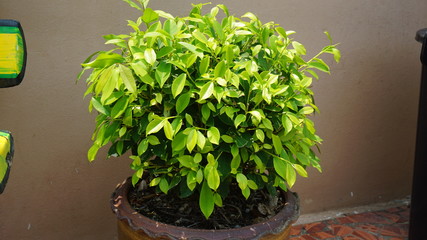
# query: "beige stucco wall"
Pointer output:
{"type": "Point", "coordinates": [368, 108]}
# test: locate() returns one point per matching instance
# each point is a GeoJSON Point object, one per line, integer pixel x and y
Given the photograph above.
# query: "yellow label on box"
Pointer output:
{"type": "Point", "coordinates": [10, 54]}
{"type": "Point", "coordinates": [4, 150]}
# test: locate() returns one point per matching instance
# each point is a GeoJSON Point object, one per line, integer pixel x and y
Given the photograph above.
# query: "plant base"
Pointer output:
{"type": "Point", "coordinates": [134, 226]}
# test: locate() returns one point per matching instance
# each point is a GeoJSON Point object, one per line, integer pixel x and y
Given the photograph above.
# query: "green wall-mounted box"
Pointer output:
{"type": "Point", "coordinates": [13, 55]}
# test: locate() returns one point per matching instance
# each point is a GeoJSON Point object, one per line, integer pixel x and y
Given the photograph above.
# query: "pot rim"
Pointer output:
{"type": "Point", "coordinates": [138, 222]}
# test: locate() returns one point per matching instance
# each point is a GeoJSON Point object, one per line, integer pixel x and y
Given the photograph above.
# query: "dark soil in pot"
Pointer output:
{"type": "Point", "coordinates": [184, 212]}
{"type": "Point", "coordinates": [135, 226]}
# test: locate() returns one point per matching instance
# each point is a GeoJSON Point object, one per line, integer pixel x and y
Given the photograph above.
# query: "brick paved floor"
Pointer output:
{"type": "Point", "coordinates": [389, 224]}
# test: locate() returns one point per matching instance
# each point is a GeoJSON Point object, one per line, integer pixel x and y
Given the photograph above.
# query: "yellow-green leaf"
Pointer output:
{"type": "Point", "coordinates": [214, 135]}
{"type": "Point", "coordinates": [192, 139]}
{"type": "Point", "coordinates": [178, 84]}
{"type": "Point", "coordinates": [206, 200]}
{"type": "Point", "coordinates": [206, 90]}
{"type": "Point", "coordinates": [154, 126]}
{"type": "Point", "coordinates": [168, 129]}
{"type": "Point", "coordinates": [150, 56]}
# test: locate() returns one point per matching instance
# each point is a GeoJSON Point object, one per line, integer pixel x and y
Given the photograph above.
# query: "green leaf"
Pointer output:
{"type": "Point", "coordinates": [328, 35]}
{"type": "Point", "coordinates": [287, 123]}
{"type": "Point", "coordinates": [178, 84]}
{"type": "Point", "coordinates": [139, 69]}
{"type": "Point", "coordinates": [201, 140]}
{"type": "Point", "coordinates": [128, 79]}
{"type": "Point", "coordinates": [250, 15]}
{"type": "Point", "coordinates": [142, 147]}
{"type": "Point", "coordinates": [93, 150]}
{"type": "Point", "coordinates": [182, 102]}
{"type": "Point", "coordinates": [199, 36]}
{"type": "Point", "coordinates": [105, 60]}
{"type": "Point", "coordinates": [120, 107]}
{"type": "Point", "coordinates": [225, 9]}
{"type": "Point", "coordinates": [191, 48]}
{"type": "Point", "coordinates": [197, 158]}
{"type": "Point", "coordinates": [306, 110]}
{"type": "Point", "coordinates": [164, 185]}
{"type": "Point", "coordinates": [206, 200]}
{"type": "Point", "coordinates": [110, 85]}
{"type": "Point", "coordinates": [214, 135]}
{"type": "Point", "coordinates": [213, 179]}
{"type": "Point", "coordinates": [189, 119]}
{"type": "Point", "coordinates": [99, 107]}
{"type": "Point", "coordinates": [218, 199]}
{"type": "Point", "coordinates": [281, 32]}
{"type": "Point", "coordinates": [337, 54]}
{"type": "Point", "coordinates": [191, 180]}
{"type": "Point", "coordinates": [234, 150]}
{"type": "Point", "coordinates": [300, 170]}
{"type": "Point", "coordinates": [242, 181]}
{"type": "Point", "coordinates": [122, 131]}
{"type": "Point", "coordinates": [220, 69]}
{"type": "Point", "coordinates": [150, 56]}
{"type": "Point", "coordinates": [192, 139]}
{"type": "Point", "coordinates": [259, 163]}
{"type": "Point", "coordinates": [290, 175]}
{"type": "Point", "coordinates": [218, 30]}
{"type": "Point", "coordinates": [104, 77]}
{"type": "Point", "coordinates": [227, 139]}
{"type": "Point", "coordinates": [299, 48]}
{"type": "Point", "coordinates": [153, 140]}
{"type": "Point", "coordinates": [206, 90]}
{"type": "Point", "coordinates": [187, 161]}
{"type": "Point", "coordinates": [179, 142]}
{"type": "Point", "coordinates": [204, 65]}
{"type": "Point", "coordinates": [170, 26]}
{"type": "Point", "coordinates": [164, 51]}
{"type": "Point", "coordinates": [260, 135]}
{"type": "Point", "coordinates": [246, 193]}
{"type": "Point", "coordinates": [154, 126]}
{"type": "Point", "coordinates": [267, 124]}
{"type": "Point", "coordinates": [149, 15]}
{"type": "Point", "coordinates": [258, 114]}
{"type": "Point", "coordinates": [280, 167]}
{"type": "Point", "coordinates": [320, 65]}
{"type": "Point", "coordinates": [252, 185]}
{"type": "Point", "coordinates": [239, 119]}
{"type": "Point", "coordinates": [168, 129]}
{"type": "Point", "coordinates": [132, 4]}
{"type": "Point", "coordinates": [235, 163]}
{"type": "Point", "coordinates": [303, 158]}
{"type": "Point", "coordinates": [199, 176]}
{"type": "Point", "coordinates": [229, 54]}
{"type": "Point", "coordinates": [155, 182]}
{"type": "Point", "coordinates": [163, 72]}
{"type": "Point", "coordinates": [206, 112]}
{"type": "Point", "coordinates": [277, 143]}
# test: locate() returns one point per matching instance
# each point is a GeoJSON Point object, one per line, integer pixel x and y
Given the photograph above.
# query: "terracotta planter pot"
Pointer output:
{"type": "Point", "coordinates": [132, 225]}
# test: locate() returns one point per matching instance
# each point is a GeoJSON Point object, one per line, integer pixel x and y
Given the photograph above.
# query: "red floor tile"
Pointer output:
{"type": "Point", "coordinates": [341, 230]}
{"type": "Point", "coordinates": [370, 228]}
{"type": "Point", "coordinates": [315, 227]}
{"type": "Point", "coordinates": [393, 217]}
{"type": "Point", "coordinates": [364, 235]}
{"type": "Point", "coordinates": [345, 220]}
{"type": "Point", "coordinates": [323, 235]}
{"type": "Point", "coordinates": [307, 237]}
{"type": "Point", "coordinates": [393, 231]}
{"type": "Point", "coordinates": [351, 238]}
{"type": "Point", "coordinates": [389, 224]}
{"type": "Point", "coordinates": [369, 217]}
{"type": "Point", "coordinates": [296, 230]}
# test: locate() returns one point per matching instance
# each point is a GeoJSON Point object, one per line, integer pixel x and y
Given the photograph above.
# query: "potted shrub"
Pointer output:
{"type": "Point", "coordinates": [212, 109]}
